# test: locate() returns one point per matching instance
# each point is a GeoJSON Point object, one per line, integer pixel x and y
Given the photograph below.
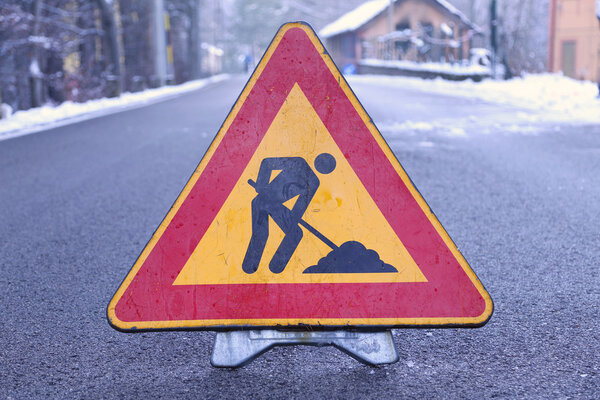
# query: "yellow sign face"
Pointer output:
{"type": "Point", "coordinates": [341, 209]}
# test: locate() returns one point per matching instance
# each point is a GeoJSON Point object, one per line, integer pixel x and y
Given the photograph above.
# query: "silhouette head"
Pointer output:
{"type": "Point", "coordinates": [325, 163]}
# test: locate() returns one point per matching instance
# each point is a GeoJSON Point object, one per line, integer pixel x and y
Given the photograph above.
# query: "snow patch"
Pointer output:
{"type": "Point", "coordinates": [541, 97]}
{"type": "Point", "coordinates": [406, 127]}
{"type": "Point", "coordinates": [456, 131]}
{"type": "Point", "coordinates": [397, 129]}
{"type": "Point", "coordinates": [34, 69]}
{"type": "Point", "coordinates": [41, 118]}
{"type": "Point", "coordinates": [40, 40]}
{"type": "Point", "coordinates": [217, 51]}
{"type": "Point", "coordinates": [446, 29]}
{"type": "Point", "coordinates": [5, 110]}
{"type": "Point", "coordinates": [445, 68]}
{"type": "Point", "coordinates": [521, 129]}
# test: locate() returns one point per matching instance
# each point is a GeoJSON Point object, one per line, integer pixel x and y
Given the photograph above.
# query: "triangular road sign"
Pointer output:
{"type": "Point", "coordinates": [299, 214]}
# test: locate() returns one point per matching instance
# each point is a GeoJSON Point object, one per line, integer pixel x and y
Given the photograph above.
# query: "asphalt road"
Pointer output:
{"type": "Point", "coordinates": [78, 203]}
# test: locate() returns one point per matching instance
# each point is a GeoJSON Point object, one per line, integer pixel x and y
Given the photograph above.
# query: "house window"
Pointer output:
{"type": "Point", "coordinates": [568, 58]}
{"type": "Point", "coordinates": [366, 49]}
{"type": "Point", "coordinates": [427, 29]}
{"type": "Point", "coordinates": [402, 41]}
{"type": "Point", "coordinates": [348, 43]}
{"type": "Point", "coordinates": [403, 25]}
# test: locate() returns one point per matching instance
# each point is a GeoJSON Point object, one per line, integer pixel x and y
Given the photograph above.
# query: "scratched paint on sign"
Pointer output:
{"type": "Point", "coordinates": [341, 209]}
{"type": "Point", "coordinates": [299, 213]}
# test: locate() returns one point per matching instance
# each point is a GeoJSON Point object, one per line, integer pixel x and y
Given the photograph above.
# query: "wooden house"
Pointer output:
{"type": "Point", "coordinates": [411, 30]}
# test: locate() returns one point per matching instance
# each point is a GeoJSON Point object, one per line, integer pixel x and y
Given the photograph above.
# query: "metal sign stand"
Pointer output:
{"type": "Point", "coordinates": [236, 348]}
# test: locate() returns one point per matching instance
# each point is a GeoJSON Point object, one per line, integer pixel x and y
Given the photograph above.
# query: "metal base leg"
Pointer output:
{"type": "Point", "coordinates": [236, 348]}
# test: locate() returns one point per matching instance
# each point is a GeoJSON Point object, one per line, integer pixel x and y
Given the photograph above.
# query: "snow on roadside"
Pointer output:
{"type": "Point", "coordinates": [41, 118]}
{"type": "Point", "coordinates": [544, 97]}
{"type": "Point", "coordinates": [399, 129]}
{"type": "Point", "coordinates": [447, 68]}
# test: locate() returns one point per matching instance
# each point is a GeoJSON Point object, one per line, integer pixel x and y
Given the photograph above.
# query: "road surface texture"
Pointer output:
{"type": "Point", "coordinates": [78, 203]}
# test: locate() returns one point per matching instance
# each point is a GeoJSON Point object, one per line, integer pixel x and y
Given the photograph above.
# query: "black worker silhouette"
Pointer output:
{"type": "Point", "coordinates": [295, 179]}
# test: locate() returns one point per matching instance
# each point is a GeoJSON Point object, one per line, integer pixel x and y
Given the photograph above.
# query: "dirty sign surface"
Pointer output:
{"type": "Point", "coordinates": [299, 213]}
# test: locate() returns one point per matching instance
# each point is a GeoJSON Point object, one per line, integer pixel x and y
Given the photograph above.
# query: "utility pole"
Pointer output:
{"type": "Point", "coordinates": [493, 33]}
{"type": "Point", "coordinates": [195, 40]}
{"type": "Point", "coordinates": [551, 38]}
{"type": "Point", "coordinates": [160, 43]}
{"type": "Point", "coordinates": [35, 75]}
{"type": "Point", "coordinates": [109, 25]}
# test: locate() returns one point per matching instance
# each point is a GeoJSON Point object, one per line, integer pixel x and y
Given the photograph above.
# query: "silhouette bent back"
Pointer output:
{"type": "Point", "coordinates": [296, 179]}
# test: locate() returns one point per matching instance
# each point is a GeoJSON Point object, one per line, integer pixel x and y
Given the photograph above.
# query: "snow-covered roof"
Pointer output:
{"type": "Point", "coordinates": [354, 19]}
{"type": "Point", "coordinates": [212, 49]}
{"type": "Point", "coordinates": [455, 11]}
{"type": "Point", "coordinates": [367, 11]}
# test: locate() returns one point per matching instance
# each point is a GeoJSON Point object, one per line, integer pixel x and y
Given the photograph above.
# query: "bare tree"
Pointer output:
{"type": "Point", "coordinates": [109, 26]}
{"type": "Point", "coordinates": [257, 21]}
{"type": "Point", "coordinates": [34, 66]}
{"type": "Point", "coordinates": [195, 12]}
{"type": "Point", "coordinates": [522, 31]}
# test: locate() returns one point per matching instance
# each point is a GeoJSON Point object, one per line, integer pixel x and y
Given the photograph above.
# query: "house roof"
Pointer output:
{"type": "Point", "coordinates": [364, 13]}
{"type": "Point", "coordinates": [354, 19]}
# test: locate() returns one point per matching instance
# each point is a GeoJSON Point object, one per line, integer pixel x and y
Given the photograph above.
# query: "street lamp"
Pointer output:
{"type": "Point", "coordinates": [493, 32]}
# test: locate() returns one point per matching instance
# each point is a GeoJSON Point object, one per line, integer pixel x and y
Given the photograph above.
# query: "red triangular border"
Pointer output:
{"type": "Point", "coordinates": [449, 294]}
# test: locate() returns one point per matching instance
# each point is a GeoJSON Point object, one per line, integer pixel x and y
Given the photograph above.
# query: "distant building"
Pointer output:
{"type": "Point", "coordinates": [411, 30]}
{"type": "Point", "coordinates": [574, 43]}
{"type": "Point", "coordinates": [212, 59]}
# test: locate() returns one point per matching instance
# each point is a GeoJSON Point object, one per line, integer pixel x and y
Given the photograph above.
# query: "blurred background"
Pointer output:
{"type": "Point", "coordinates": [52, 51]}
